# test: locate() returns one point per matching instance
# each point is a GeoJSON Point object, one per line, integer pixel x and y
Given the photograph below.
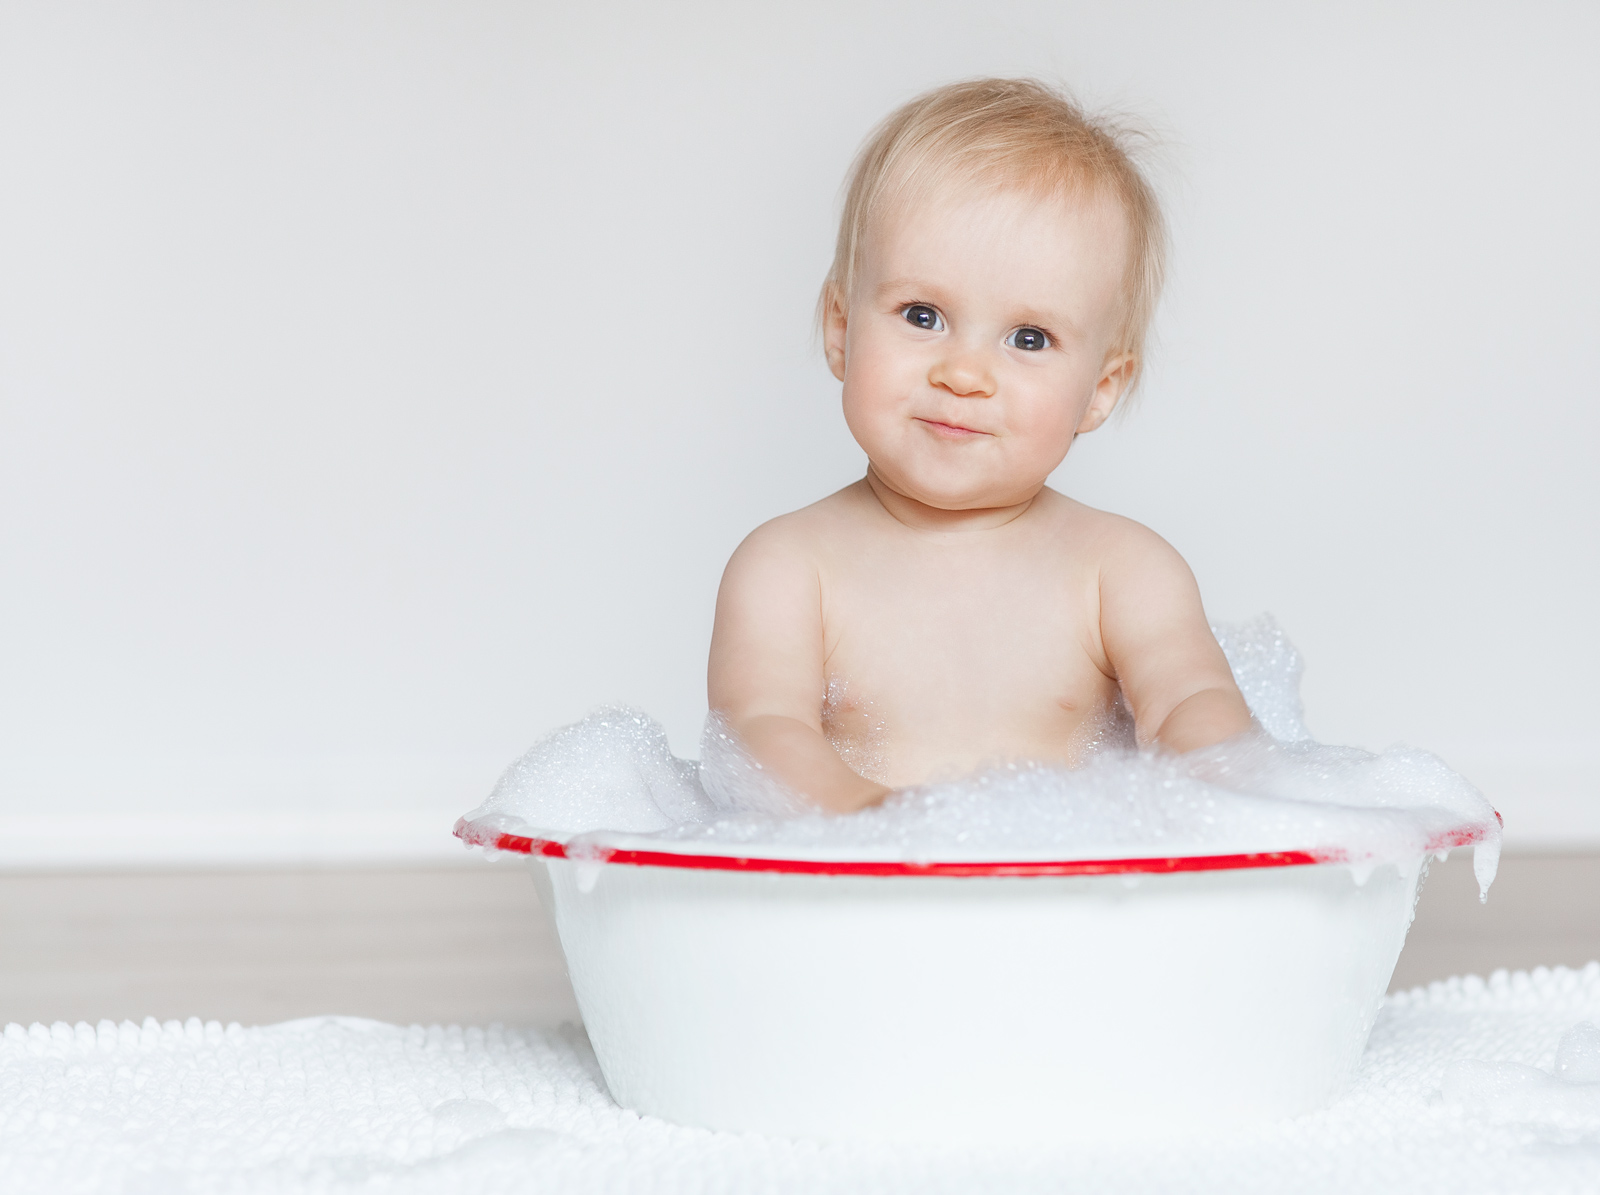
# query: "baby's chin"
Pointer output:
{"type": "Point", "coordinates": [940, 490]}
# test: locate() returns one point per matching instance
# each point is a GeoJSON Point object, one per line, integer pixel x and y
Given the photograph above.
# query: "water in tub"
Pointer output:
{"type": "Point", "coordinates": [1276, 789]}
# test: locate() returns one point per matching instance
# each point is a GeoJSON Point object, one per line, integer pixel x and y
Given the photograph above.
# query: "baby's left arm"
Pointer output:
{"type": "Point", "coordinates": [1154, 631]}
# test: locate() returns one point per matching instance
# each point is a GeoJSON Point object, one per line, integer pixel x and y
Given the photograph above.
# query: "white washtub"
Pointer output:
{"type": "Point", "coordinates": [981, 1002]}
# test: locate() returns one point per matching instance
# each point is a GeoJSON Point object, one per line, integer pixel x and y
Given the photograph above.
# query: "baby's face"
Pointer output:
{"type": "Point", "coordinates": [975, 344]}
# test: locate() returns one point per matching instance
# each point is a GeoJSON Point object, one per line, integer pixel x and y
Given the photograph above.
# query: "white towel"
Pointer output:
{"type": "Point", "coordinates": [339, 1104]}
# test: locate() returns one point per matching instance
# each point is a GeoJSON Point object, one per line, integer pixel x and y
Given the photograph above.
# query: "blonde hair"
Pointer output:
{"type": "Point", "coordinates": [1009, 134]}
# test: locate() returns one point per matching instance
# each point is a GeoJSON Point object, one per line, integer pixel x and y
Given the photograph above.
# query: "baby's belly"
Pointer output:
{"type": "Point", "coordinates": [906, 741]}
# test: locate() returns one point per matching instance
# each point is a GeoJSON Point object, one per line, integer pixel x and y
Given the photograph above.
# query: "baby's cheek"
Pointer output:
{"type": "Point", "coordinates": [1049, 428]}
{"type": "Point", "coordinates": [871, 372]}
{"type": "Point", "coordinates": [862, 413]}
{"type": "Point", "coordinates": [870, 392]}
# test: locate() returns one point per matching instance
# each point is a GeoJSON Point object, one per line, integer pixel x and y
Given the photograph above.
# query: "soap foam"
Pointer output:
{"type": "Point", "coordinates": [1578, 1054]}
{"type": "Point", "coordinates": [613, 770]}
{"type": "Point", "coordinates": [1275, 789]}
{"type": "Point", "coordinates": [1514, 1092]}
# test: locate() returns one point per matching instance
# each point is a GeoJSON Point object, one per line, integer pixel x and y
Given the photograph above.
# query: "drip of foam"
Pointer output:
{"type": "Point", "coordinates": [1275, 789]}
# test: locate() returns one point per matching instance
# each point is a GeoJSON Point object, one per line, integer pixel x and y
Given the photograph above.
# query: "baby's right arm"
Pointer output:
{"type": "Point", "coordinates": [766, 670]}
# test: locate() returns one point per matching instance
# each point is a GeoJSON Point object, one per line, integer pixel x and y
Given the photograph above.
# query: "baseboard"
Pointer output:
{"type": "Point", "coordinates": [59, 842]}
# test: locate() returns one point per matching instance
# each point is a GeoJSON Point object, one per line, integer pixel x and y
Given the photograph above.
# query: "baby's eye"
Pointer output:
{"type": "Point", "coordinates": [1031, 339]}
{"type": "Point", "coordinates": [922, 316]}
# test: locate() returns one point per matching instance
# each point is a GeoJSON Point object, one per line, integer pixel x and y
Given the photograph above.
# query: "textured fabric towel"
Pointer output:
{"type": "Point", "coordinates": [1458, 1092]}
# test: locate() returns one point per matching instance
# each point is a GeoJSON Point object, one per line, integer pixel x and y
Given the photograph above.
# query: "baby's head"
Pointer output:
{"type": "Point", "coordinates": [998, 263]}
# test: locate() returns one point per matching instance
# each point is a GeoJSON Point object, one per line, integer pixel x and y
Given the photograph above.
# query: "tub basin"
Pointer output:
{"type": "Point", "coordinates": [979, 1001]}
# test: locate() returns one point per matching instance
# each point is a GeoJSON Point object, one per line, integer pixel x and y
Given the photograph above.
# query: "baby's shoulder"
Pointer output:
{"type": "Point", "coordinates": [793, 546]}
{"type": "Point", "coordinates": [1108, 540]}
{"type": "Point", "coordinates": [811, 530]}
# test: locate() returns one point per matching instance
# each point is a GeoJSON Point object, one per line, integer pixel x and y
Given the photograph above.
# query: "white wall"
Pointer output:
{"type": "Point", "coordinates": [384, 384]}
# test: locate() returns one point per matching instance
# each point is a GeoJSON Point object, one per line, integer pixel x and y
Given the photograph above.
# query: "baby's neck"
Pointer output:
{"type": "Point", "coordinates": [919, 516]}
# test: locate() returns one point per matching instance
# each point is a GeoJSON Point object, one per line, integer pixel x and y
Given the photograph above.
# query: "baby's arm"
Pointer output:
{"type": "Point", "coordinates": [1174, 676]}
{"type": "Point", "coordinates": [765, 674]}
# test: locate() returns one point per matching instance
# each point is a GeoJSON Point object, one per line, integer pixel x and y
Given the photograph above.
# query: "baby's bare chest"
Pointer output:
{"type": "Point", "coordinates": [932, 642]}
{"type": "Point", "coordinates": [959, 606]}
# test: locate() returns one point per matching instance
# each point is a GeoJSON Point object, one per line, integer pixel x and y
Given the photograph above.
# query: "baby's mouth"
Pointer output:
{"type": "Point", "coordinates": [950, 431]}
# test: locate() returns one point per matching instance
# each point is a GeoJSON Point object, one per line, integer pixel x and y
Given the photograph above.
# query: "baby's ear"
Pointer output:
{"type": "Point", "coordinates": [1108, 390]}
{"type": "Point", "coordinates": [834, 319]}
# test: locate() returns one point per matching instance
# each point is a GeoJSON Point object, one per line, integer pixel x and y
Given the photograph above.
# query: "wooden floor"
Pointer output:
{"type": "Point", "coordinates": [463, 943]}
{"type": "Point", "coordinates": [468, 943]}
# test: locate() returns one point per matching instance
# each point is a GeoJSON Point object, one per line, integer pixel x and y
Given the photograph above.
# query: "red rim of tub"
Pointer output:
{"type": "Point", "coordinates": [551, 849]}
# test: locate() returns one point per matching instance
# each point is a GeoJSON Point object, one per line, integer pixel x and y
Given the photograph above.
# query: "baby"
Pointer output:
{"type": "Point", "coordinates": [998, 262]}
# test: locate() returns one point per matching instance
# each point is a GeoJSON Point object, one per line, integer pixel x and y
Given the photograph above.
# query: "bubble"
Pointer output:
{"type": "Point", "coordinates": [1274, 789]}
{"type": "Point", "coordinates": [613, 770]}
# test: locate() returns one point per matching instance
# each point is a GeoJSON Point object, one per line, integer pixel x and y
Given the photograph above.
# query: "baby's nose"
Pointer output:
{"type": "Point", "coordinates": [964, 374]}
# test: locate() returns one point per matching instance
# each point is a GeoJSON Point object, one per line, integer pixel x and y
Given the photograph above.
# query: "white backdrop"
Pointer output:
{"type": "Point", "coordinates": [382, 385]}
